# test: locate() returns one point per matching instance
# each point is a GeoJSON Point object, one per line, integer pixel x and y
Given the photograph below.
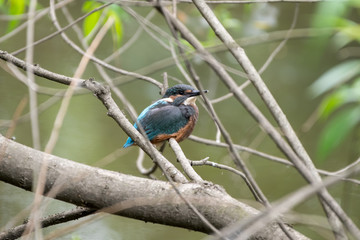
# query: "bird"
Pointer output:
{"type": "Point", "coordinates": [172, 116]}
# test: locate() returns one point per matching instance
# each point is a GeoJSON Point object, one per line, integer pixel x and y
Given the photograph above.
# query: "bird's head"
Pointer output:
{"type": "Point", "coordinates": [182, 93]}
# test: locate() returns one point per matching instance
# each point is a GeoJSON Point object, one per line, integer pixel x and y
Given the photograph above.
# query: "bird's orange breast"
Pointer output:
{"type": "Point", "coordinates": [183, 132]}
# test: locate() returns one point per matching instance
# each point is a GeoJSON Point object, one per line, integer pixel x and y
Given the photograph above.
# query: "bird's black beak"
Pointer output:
{"type": "Point", "coordinates": [197, 92]}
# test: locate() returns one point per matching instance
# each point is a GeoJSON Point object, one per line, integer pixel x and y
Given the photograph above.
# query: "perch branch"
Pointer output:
{"type": "Point", "coordinates": [129, 196]}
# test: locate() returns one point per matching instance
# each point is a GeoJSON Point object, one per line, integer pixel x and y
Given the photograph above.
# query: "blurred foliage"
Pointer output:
{"type": "Point", "coordinates": [340, 107]}
{"type": "Point", "coordinates": [13, 8]}
{"type": "Point", "coordinates": [335, 76]}
{"type": "Point", "coordinates": [93, 22]}
{"type": "Point", "coordinates": [256, 19]}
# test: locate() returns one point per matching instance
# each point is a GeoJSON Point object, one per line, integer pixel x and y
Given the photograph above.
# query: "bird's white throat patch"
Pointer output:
{"type": "Point", "coordinates": [190, 100]}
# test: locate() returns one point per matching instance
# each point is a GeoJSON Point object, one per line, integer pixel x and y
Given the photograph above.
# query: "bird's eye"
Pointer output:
{"type": "Point", "coordinates": [181, 92]}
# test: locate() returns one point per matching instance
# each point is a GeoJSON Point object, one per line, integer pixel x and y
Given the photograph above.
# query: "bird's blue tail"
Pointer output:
{"type": "Point", "coordinates": [129, 142]}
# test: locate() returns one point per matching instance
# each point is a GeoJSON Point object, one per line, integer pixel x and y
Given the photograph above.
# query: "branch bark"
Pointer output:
{"type": "Point", "coordinates": [128, 196]}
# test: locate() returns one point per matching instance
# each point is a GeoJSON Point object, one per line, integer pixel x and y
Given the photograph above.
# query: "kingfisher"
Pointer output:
{"type": "Point", "coordinates": [172, 116]}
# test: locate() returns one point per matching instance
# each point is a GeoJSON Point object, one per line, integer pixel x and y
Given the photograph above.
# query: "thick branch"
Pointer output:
{"type": "Point", "coordinates": [129, 196]}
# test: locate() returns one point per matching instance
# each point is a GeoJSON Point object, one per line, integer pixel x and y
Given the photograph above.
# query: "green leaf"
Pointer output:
{"type": "Point", "coordinates": [354, 3]}
{"type": "Point", "coordinates": [116, 12]}
{"type": "Point", "coordinates": [334, 77]}
{"type": "Point", "coordinates": [328, 14]}
{"type": "Point", "coordinates": [342, 96]}
{"type": "Point", "coordinates": [331, 102]}
{"type": "Point", "coordinates": [16, 7]}
{"type": "Point", "coordinates": [352, 31]}
{"type": "Point", "coordinates": [90, 21]}
{"type": "Point", "coordinates": [90, 5]}
{"type": "Point", "coordinates": [117, 31]}
{"type": "Point", "coordinates": [337, 130]}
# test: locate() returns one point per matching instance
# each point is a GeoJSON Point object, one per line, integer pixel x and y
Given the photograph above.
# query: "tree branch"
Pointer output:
{"type": "Point", "coordinates": [129, 196]}
{"type": "Point", "coordinates": [185, 163]}
{"type": "Point", "coordinates": [51, 220]}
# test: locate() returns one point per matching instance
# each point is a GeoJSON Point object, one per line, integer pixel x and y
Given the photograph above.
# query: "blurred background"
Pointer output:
{"type": "Point", "coordinates": [314, 78]}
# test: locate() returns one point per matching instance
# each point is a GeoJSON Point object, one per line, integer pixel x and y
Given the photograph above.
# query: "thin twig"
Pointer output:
{"type": "Point", "coordinates": [131, 41]}
{"type": "Point", "coordinates": [282, 43]}
{"type": "Point", "coordinates": [185, 163]}
{"type": "Point", "coordinates": [51, 220]}
{"type": "Point", "coordinates": [140, 165]}
{"type": "Point", "coordinates": [149, 28]}
{"type": "Point", "coordinates": [225, 167]}
{"type": "Point", "coordinates": [15, 118]}
{"type": "Point", "coordinates": [34, 119]}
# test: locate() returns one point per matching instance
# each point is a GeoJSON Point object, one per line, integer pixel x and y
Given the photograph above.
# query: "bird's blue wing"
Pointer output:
{"type": "Point", "coordinates": [144, 115]}
{"type": "Point", "coordinates": [159, 118]}
{"type": "Point", "coordinates": [165, 119]}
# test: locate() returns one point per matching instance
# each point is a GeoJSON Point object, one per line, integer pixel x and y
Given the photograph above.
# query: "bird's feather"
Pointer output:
{"type": "Point", "coordinates": [163, 120]}
{"type": "Point", "coordinates": [162, 117]}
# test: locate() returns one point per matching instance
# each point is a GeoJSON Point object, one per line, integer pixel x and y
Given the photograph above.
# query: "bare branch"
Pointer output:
{"type": "Point", "coordinates": [34, 115]}
{"type": "Point", "coordinates": [246, 228]}
{"type": "Point", "coordinates": [51, 220]}
{"type": "Point", "coordinates": [138, 198]}
{"type": "Point", "coordinates": [142, 170]}
{"type": "Point", "coordinates": [37, 70]}
{"type": "Point", "coordinates": [184, 161]}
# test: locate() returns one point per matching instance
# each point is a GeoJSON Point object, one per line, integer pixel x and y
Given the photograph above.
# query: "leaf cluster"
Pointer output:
{"type": "Point", "coordinates": [340, 85]}
{"type": "Point", "coordinates": [93, 22]}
